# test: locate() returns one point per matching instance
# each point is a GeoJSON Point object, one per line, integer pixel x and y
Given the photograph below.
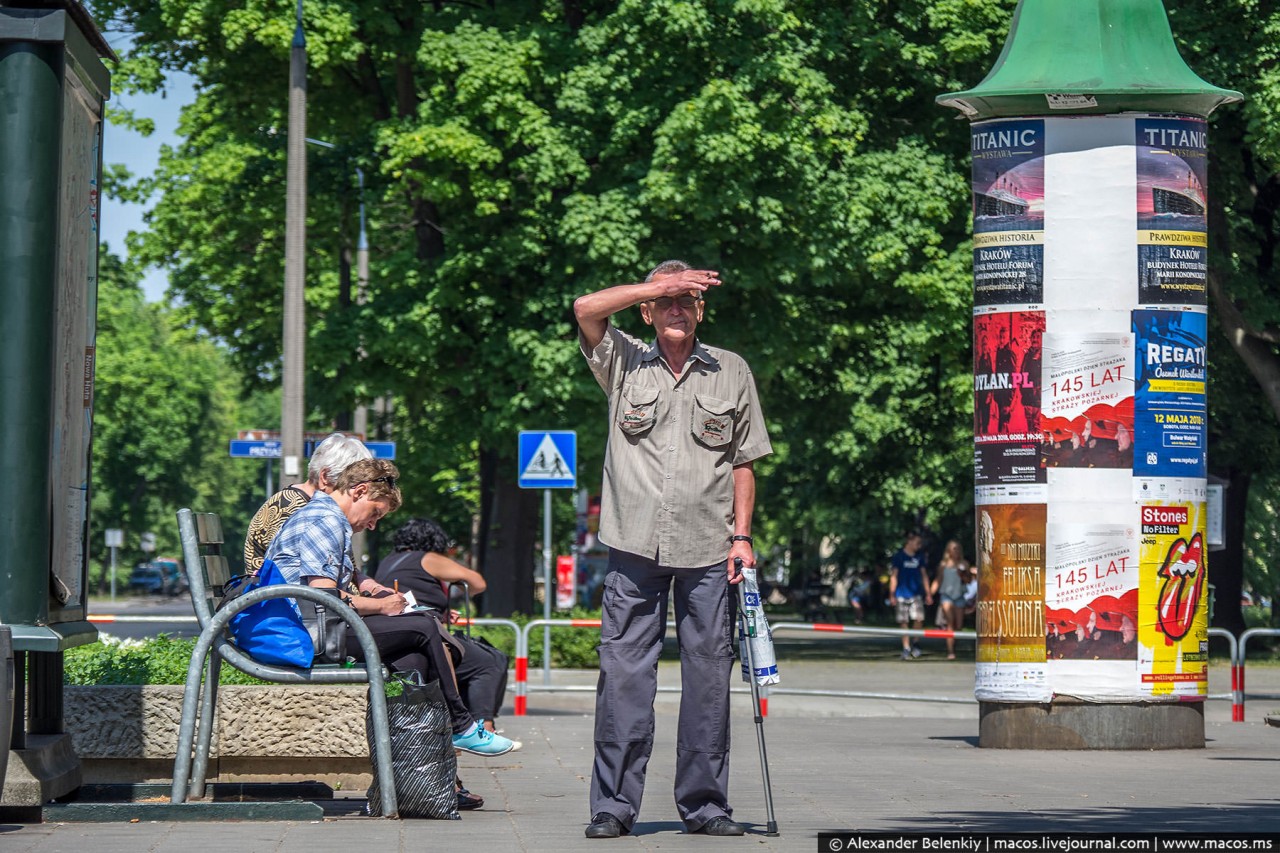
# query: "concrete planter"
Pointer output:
{"type": "Point", "coordinates": [129, 733]}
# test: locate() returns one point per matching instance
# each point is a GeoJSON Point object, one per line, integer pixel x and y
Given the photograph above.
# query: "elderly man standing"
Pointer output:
{"type": "Point", "coordinates": [679, 490]}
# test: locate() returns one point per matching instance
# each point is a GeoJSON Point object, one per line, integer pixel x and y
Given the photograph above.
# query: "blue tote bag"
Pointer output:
{"type": "Point", "coordinates": [270, 631]}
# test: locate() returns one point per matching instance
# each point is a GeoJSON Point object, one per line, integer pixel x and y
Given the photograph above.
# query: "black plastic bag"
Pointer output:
{"type": "Point", "coordinates": [423, 762]}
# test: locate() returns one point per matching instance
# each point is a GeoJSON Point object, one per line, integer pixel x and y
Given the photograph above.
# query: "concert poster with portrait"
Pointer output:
{"type": "Point", "coordinates": [1007, 358]}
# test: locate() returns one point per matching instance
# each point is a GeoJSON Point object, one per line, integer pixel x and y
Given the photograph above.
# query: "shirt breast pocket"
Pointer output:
{"type": "Point", "coordinates": [637, 409]}
{"type": "Point", "coordinates": [712, 420]}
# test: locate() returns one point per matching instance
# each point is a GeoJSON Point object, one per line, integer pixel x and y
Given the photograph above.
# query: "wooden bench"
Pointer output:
{"type": "Point", "coordinates": [207, 574]}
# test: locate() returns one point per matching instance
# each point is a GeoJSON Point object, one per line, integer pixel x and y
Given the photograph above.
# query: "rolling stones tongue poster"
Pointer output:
{"type": "Point", "coordinates": [1173, 622]}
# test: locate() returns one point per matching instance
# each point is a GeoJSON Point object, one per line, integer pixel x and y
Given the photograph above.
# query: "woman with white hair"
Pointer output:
{"type": "Point", "coordinates": [331, 457]}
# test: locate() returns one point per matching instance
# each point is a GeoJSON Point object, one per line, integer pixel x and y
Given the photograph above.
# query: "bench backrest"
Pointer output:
{"type": "Point", "coordinates": [207, 570]}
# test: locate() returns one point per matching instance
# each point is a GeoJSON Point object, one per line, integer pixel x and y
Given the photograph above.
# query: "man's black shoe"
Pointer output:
{"type": "Point", "coordinates": [722, 825]}
{"type": "Point", "coordinates": [605, 825]}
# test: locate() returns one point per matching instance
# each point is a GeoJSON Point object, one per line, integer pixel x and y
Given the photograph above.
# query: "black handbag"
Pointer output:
{"type": "Point", "coordinates": [327, 629]}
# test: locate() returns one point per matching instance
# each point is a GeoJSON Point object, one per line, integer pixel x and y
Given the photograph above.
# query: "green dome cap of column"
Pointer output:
{"type": "Point", "coordinates": [1089, 57]}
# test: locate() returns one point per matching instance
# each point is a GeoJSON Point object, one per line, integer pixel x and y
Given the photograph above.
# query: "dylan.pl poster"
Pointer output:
{"type": "Point", "coordinates": [1010, 617]}
{"type": "Point", "coordinates": [1008, 212]}
{"type": "Point", "coordinates": [1087, 419]}
{"type": "Point", "coordinates": [1172, 243]}
{"type": "Point", "coordinates": [1170, 409]}
{"type": "Point", "coordinates": [1173, 622]}
{"type": "Point", "coordinates": [1008, 351]}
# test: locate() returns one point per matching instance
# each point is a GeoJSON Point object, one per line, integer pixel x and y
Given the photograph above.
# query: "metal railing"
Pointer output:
{"type": "Point", "coordinates": [1237, 686]}
{"type": "Point", "coordinates": [1237, 657]}
{"type": "Point", "coordinates": [835, 628]}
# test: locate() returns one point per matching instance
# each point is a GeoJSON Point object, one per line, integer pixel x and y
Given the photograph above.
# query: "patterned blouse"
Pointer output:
{"type": "Point", "coordinates": [266, 523]}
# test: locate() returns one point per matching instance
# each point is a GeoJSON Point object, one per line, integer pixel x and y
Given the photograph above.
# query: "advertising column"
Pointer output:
{"type": "Point", "coordinates": [1089, 408]}
{"type": "Point", "coordinates": [1090, 196]}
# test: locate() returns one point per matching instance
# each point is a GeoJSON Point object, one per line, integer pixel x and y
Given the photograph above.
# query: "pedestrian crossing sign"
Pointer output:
{"type": "Point", "coordinates": [548, 459]}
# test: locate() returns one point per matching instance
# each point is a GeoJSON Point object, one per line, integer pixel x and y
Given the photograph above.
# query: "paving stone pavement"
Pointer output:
{"type": "Point", "coordinates": [867, 764]}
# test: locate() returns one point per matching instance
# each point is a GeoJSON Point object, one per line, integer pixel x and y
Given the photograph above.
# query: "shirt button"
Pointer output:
{"type": "Point", "coordinates": [668, 476]}
{"type": "Point", "coordinates": [672, 447]}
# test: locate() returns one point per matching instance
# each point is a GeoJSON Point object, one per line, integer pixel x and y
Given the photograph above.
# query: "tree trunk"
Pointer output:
{"type": "Point", "coordinates": [1226, 567]}
{"type": "Point", "coordinates": [508, 529]}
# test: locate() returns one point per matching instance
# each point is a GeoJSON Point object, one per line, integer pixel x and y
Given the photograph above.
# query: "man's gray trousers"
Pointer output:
{"type": "Point", "coordinates": [634, 623]}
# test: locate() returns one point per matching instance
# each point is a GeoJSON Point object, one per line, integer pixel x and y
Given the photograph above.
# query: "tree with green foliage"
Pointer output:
{"type": "Point", "coordinates": [521, 154]}
{"type": "Point", "coordinates": [1236, 47]}
{"type": "Point", "coordinates": [165, 401]}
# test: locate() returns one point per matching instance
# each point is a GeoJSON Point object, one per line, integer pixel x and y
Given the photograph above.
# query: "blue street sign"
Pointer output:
{"type": "Point", "coordinates": [270, 449]}
{"type": "Point", "coordinates": [548, 459]}
{"type": "Point", "coordinates": [379, 449]}
{"type": "Point", "coordinates": [246, 449]}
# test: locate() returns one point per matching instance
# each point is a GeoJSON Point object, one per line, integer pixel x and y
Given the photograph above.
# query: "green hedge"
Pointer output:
{"type": "Point", "coordinates": [159, 660]}
{"type": "Point", "coordinates": [164, 660]}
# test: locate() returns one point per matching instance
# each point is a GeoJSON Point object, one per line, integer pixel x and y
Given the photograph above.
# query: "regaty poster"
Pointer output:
{"type": "Point", "coordinates": [1170, 408]}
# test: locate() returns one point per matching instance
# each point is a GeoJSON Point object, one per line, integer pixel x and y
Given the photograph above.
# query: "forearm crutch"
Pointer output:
{"type": "Point", "coordinates": [772, 825]}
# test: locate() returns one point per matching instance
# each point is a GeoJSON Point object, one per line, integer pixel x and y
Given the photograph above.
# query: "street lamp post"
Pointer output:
{"type": "Point", "coordinates": [360, 421]}
{"type": "Point", "coordinates": [291, 415]}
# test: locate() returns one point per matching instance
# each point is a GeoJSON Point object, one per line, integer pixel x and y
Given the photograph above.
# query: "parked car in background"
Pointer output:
{"type": "Point", "coordinates": [163, 576]}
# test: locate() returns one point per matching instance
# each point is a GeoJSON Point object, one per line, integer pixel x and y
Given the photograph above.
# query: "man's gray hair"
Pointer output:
{"type": "Point", "coordinates": [667, 268]}
{"type": "Point", "coordinates": [334, 455]}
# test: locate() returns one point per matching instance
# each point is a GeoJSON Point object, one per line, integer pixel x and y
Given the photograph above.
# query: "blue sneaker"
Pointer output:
{"type": "Point", "coordinates": [481, 742]}
{"type": "Point", "coordinates": [515, 744]}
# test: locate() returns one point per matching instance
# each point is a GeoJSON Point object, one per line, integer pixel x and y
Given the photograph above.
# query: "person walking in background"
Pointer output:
{"type": "Point", "coordinates": [909, 590]}
{"type": "Point", "coordinates": [679, 490]}
{"type": "Point", "coordinates": [949, 587]}
{"type": "Point", "coordinates": [859, 595]}
{"type": "Point", "coordinates": [331, 457]}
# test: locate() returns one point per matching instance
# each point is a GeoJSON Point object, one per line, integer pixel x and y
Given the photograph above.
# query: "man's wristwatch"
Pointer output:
{"type": "Point", "coordinates": [738, 537]}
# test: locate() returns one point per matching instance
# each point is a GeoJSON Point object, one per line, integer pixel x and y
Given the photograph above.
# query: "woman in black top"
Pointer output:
{"type": "Point", "coordinates": [421, 565]}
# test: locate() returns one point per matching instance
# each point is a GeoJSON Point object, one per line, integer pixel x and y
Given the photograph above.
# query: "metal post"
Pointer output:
{"type": "Point", "coordinates": [291, 417]}
{"type": "Point", "coordinates": [113, 573]}
{"type": "Point", "coordinates": [546, 584]}
{"type": "Point", "coordinates": [270, 489]}
{"type": "Point", "coordinates": [360, 418]}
